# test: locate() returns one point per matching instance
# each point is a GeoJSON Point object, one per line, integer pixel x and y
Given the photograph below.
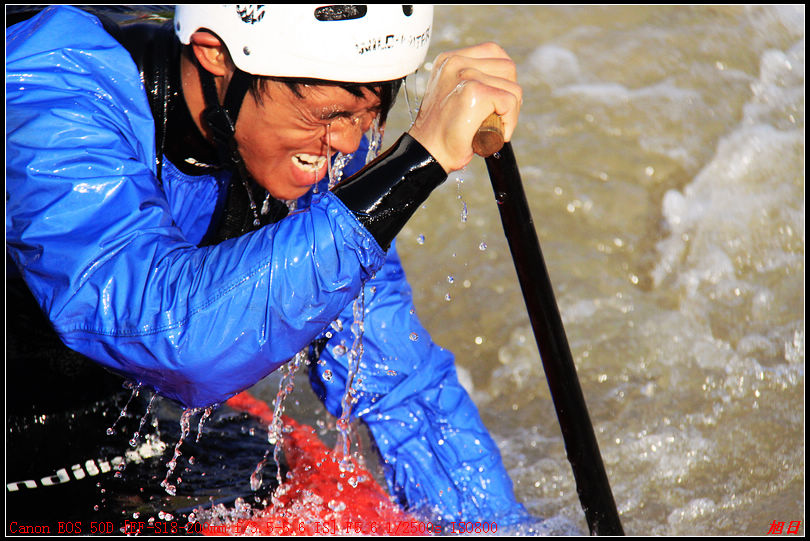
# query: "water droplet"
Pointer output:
{"type": "Point", "coordinates": [339, 350]}
{"type": "Point", "coordinates": [464, 212]}
{"type": "Point", "coordinates": [336, 506]}
{"type": "Point", "coordinates": [448, 298]}
{"type": "Point", "coordinates": [420, 239]}
{"type": "Point", "coordinates": [206, 414]}
{"type": "Point", "coordinates": [256, 477]}
{"type": "Point", "coordinates": [135, 391]}
{"type": "Point", "coordinates": [450, 279]}
{"type": "Point", "coordinates": [414, 337]}
{"type": "Point", "coordinates": [391, 372]}
{"type": "Point", "coordinates": [327, 375]}
{"type": "Point", "coordinates": [482, 246]}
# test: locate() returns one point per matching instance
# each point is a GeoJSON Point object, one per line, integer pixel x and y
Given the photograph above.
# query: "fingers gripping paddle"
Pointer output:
{"type": "Point", "coordinates": [580, 441]}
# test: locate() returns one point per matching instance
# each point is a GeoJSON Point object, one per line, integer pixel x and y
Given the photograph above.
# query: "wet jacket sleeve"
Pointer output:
{"type": "Point", "coordinates": [91, 231]}
{"type": "Point", "coordinates": [438, 455]}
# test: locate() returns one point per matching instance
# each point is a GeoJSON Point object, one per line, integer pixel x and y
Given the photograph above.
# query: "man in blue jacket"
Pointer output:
{"type": "Point", "coordinates": [168, 207]}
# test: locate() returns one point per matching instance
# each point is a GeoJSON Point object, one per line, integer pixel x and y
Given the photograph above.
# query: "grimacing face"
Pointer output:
{"type": "Point", "coordinates": [285, 140]}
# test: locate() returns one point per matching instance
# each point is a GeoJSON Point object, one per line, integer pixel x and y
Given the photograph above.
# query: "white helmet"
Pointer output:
{"type": "Point", "coordinates": [357, 44]}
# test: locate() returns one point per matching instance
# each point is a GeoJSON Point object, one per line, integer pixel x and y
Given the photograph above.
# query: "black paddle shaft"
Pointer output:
{"type": "Point", "coordinates": [580, 441]}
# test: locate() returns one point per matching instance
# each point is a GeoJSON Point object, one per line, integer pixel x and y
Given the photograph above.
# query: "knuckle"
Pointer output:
{"type": "Point", "coordinates": [455, 62]}
{"type": "Point", "coordinates": [466, 73]}
{"type": "Point", "coordinates": [512, 68]}
{"type": "Point", "coordinates": [493, 48]}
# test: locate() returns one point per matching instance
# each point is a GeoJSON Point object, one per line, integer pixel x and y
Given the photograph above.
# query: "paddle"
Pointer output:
{"type": "Point", "coordinates": [581, 447]}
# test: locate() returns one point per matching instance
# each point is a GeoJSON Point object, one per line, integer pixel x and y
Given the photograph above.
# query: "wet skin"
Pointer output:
{"type": "Point", "coordinates": [286, 140]}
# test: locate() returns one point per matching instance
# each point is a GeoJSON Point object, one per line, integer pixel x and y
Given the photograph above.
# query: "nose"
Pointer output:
{"type": "Point", "coordinates": [344, 135]}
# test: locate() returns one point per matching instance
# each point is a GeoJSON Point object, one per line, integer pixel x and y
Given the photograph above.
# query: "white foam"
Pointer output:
{"type": "Point", "coordinates": [555, 66]}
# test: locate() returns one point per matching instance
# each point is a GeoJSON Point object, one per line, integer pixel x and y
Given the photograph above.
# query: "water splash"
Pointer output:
{"type": "Point", "coordinates": [276, 428]}
{"type": "Point", "coordinates": [375, 141]}
{"type": "Point", "coordinates": [334, 171]}
{"type": "Point", "coordinates": [355, 354]}
{"type": "Point", "coordinates": [460, 196]}
{"type": "Point", "coordinates": [206, 414]}
{"type": "Point", "coordinates": [135, 391]}
{"type": "Point", "coordinates": [133, 442]}
{"type": "Point", "coordinates": [412, 109]}
{"type": "Point", "coordinates": [185, 429]}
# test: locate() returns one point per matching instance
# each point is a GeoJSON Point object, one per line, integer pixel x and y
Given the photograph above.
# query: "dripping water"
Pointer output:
{"type": "Point", "coordinates": [206, 414]}
{"type": "Point", "coordinates": [274, 431]}
{"type": "Point", "coordinates": [460, 196]}
{"type": "Point", "coordinates": [354, 356]}
{"type": "Point", "coordinates": [133, 442]}
{"type": "Point", "coordinates": [135, 391]}
{"type": "Point", "coordinates": [185, 429]}
{"type": "Point", "coordinates": [411, 109]}
{"type": "Point", "coordinates": [375, 141]}
{"type": "Point", "coordinates": [334, 168]}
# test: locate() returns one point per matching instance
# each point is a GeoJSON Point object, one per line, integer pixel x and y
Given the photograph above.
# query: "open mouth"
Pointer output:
{"type": "Point", "coordinates": [309, 163]}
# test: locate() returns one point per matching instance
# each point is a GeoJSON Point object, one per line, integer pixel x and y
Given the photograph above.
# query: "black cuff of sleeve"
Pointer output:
{"type": "Point", "coordinates": [386, 193]}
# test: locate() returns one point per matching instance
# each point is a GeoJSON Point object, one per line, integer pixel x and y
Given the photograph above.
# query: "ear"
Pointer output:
{"type": "Point", "coordinates": [211, 53]}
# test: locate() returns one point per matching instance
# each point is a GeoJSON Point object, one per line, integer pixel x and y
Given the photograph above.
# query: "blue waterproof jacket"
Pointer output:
{"type": "Point", "coordinates": [111, 255]}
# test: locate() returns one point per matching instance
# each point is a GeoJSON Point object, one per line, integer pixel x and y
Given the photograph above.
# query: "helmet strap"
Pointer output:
{"type": "Point", "coordinates": [221, 118]}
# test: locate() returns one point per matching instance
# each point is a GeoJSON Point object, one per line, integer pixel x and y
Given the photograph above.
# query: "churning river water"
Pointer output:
{"type": "Point", "coordinates": [662, 153]}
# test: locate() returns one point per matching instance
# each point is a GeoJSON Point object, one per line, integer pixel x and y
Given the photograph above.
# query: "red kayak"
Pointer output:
{"type": "Point", "coordinates": [319, 496]}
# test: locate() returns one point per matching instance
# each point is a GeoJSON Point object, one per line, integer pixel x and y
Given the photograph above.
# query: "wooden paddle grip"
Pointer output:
{"type": "Point", "coordinates": [489, 138]}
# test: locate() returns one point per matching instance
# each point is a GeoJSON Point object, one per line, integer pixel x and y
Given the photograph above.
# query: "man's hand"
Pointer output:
{"type": "Point", "coordinates": [465, 87]}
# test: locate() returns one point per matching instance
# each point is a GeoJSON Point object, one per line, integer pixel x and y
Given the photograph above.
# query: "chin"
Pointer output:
{"type": "Point", "coordinates": [290, 194]}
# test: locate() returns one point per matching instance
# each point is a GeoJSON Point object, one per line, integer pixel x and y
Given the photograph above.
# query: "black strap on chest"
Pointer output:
{"type": "Point", "coordinates": [244, 195]}
{"type": "Point", "coordinates": [156, 51]}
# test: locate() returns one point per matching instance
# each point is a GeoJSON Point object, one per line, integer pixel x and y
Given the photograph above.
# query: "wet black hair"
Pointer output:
{"type": "Point", "coordinates": [386, 91]}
